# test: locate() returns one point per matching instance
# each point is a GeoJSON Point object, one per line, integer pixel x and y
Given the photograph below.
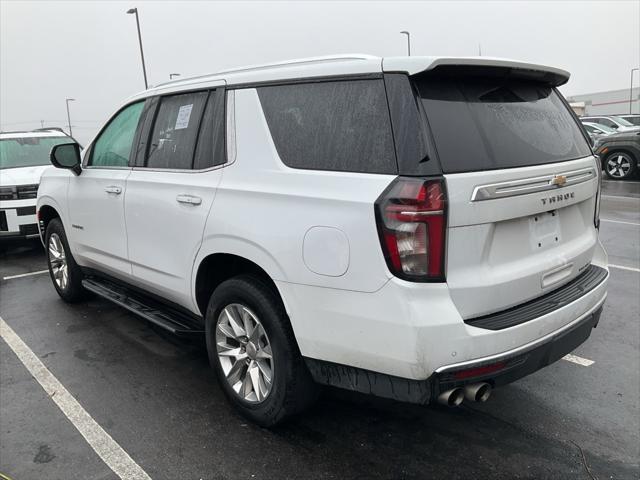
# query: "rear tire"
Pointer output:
{"type": "Point", "coordinates": [619, 165]}
{"type": "Point", "coordinates": [63, 269]}
{"type": "Point", "coordinates": [252, 348]}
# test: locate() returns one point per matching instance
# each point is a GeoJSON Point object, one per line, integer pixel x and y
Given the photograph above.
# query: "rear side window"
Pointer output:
{"type": "Point", "coordinates": [340, 126]}
{"type": "Point", "coordinates": [175, 130]}
{"type": "Point", "coordinates": [489, 123]}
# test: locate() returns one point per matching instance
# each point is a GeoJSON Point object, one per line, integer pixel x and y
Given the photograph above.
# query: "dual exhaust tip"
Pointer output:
{"type": "Point", "coordinates": [476, 392]}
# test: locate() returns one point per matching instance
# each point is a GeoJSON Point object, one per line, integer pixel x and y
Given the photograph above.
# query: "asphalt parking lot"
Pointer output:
{"type": "Point", "coordinates": [156, 397]}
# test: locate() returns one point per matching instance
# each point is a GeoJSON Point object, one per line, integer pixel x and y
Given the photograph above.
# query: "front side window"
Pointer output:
{"type": "Point", "coordinates": [28, 151]}
{"type": "Point", "coordinates": [175, 131]}
{"type": "Point", "coordinates": [113, 146]}
{"type": "Point", "coordinates": [340, 126]}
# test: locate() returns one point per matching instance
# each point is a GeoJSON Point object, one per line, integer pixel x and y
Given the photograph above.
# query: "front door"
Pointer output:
{"type": "Point", "coordinates": [96, 197]}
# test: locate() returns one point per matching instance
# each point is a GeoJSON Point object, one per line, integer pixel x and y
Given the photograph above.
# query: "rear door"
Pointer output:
{"type": "Point", "coordinates": [171, 190]}
{"type": "Point", "coordinates": [521, 182]}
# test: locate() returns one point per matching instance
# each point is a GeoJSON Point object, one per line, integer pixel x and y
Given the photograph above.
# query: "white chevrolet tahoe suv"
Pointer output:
{"type": "Point", "coordinates": [418, 228]}
{"type": "Point", "coordinates": [24, 156]}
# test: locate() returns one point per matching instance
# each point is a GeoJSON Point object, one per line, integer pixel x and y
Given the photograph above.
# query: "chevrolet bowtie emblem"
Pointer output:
{"type": "Point", "coordinates": [559, 180]}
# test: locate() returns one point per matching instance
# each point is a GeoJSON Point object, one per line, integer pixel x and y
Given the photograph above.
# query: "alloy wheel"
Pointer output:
{"type": "Point", "coordinates": [618, 165]}
{"type": "Point", "coordinates": [244, 352]}
{"type": "Point", "coordinates": [58, 261]}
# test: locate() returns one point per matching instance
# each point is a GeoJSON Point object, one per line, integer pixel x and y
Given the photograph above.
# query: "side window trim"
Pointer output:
{"type": "Point", "coordinates": [86, 161]}
{"type": "Point", "coordinates": [229, 128]}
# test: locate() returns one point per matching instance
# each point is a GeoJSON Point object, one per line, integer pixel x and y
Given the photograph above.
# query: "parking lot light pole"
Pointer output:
{"type": "Point", "coordinates": [68, 115]}
{"type": "Point", "coordinates": [144, 68]}
{"type": "Point", "coordinates": [404, 32]}
{"type": "Point", "coordinates": [631, 90]}
{"type": "Point", "coordinates": [171, 75]}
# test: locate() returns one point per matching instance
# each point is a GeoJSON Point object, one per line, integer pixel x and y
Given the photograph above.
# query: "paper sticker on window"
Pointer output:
{"type": "Point", "coordinates": [183, 117]}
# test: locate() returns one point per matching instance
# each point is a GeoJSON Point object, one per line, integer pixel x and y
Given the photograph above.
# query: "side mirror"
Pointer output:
{"type": "Point", "coordinates": [66, 155]}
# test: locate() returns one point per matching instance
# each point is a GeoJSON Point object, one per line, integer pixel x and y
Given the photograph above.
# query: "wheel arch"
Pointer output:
{"type": "Point", "coordinates": [46, 213]}
{"type": "Point", "coordinates": [216, 267]}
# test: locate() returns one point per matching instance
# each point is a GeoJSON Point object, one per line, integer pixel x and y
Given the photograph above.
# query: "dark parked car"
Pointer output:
{"type": "Point", "coordinates": [620, 154]}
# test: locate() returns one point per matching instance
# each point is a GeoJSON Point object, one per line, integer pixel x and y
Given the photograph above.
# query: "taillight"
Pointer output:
{"type": "Point", "coordinates": [411, 218]}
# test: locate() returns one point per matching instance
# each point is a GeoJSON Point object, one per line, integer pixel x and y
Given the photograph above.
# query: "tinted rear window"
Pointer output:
{"type": "Point", "coordinates": [489, 123]}
{"type": "Point", "coordinates": [341, 125]}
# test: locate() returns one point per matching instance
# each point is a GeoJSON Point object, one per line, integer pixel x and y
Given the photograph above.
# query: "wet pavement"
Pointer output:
{"type": "Point", "coordinates": [156, 397]}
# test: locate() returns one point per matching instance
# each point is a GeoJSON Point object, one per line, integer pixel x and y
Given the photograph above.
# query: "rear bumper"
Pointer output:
{"type": "Point", "coordinates": [413, 331]}
{"type": "Point", "coordinates": [513, 366]}
{"type": "Point", "coordinates": [520, 362]}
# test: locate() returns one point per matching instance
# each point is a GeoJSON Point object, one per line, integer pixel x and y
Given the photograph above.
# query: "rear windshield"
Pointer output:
{"type": "Point", "coordinates": [490, 123]}
{"type": "Point", "coordinates": [28, 151]}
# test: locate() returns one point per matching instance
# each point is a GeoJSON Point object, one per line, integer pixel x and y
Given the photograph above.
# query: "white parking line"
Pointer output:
{"type": "Point", "coordinates": [39, 272]}
{"type": "Point", "coordinates": [622, 267]}
{"type": "Point", "coordinates": [106, 447]}
{"type": "Point", "coordinates": [585, 362]}
{"type": "Point", "coordinates": [618, 221]}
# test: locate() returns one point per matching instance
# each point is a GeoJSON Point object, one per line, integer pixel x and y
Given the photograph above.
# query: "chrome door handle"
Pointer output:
{"type": "Point", "coordinates": [189, 199]}
{"type": "Point", "coordinates": [113, 189]}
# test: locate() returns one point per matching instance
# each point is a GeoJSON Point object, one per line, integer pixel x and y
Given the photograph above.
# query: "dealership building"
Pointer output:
{"type": "Point", "coordinates": [613, 102]}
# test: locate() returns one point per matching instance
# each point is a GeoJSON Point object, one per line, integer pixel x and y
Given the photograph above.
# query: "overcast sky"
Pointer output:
{"type": "Point", "coordinates": [89, 50]}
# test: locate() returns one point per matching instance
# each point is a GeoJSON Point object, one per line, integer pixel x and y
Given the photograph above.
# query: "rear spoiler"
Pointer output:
{"type": "Point", "coordinates": [476, 66]}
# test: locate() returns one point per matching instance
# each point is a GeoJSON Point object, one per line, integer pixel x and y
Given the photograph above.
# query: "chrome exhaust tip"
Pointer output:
{"type": "Point", "coordinates": [451, 398]}
{"type": "Point", "coordinates": [477, 392]}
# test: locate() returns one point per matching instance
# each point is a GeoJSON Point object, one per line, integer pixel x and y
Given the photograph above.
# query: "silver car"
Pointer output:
{"type": "Point", "coordinates": [617, 123]}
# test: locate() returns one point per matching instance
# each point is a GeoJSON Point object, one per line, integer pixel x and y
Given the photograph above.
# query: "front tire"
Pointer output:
{"type": "Point", "coordinates": [252, 348]}
{"type": "Point", "coordinates": [619, 165]}
{"type": "Point", "coordinates": [63, 269]}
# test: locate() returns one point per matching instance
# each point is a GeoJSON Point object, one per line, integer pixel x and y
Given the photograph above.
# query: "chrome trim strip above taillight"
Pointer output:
{"type": "Point", "coordinates": [524, 186]}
